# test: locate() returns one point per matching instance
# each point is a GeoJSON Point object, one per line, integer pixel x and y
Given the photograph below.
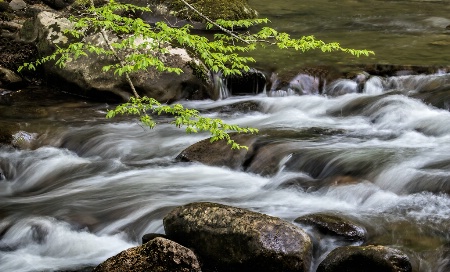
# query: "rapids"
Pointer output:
{"type": "Point", "coordinates": [87, 188]}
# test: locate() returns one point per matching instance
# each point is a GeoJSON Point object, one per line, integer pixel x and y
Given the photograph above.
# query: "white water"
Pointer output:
{"type": "Point", "coordinates": [93, 188]}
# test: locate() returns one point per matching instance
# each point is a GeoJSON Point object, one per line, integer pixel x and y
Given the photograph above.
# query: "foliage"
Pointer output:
{"type": "Point", "coordinates": [137, 45]}
{"type": "Point", "coordinates": [146, 45]}
{"type": "Point", "coordinates": [189, 118]}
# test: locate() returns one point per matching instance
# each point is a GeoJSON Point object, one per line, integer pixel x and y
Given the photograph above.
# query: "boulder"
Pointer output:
{"type": "Point", "coordinates": [365, 258]}
{"type": "Point", "coordinates": [334, 225]}
{"type": "Point", "coordinates": [9, 79]}
{"type": "Point", "coordinates": [234, 239]}
{"type": "Point", "coordinates": [219, 153]}
{"type": "Point", "coordinates": [158, 255]}
{"type": "Point", "coordinates": [150, 236]}
{"type": "Point", "coordinates": [176, 12]}
{"type": "Point", "coordinates": [85, 75]}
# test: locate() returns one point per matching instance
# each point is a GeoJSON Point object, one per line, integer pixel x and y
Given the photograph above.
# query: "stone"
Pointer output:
{"type": "Point", "coordinates": [219, 153]}
{"type": "Point", "coordinates": [84, 76]}
{"type": "Point", "coordinates": [233, 239]}
{"type": "Point", "coordinates": [17, 4]}
{"type": "Point", "coordinates": [369, 258]}
{"type": "Point", "coordinates": [158, 255]}
{"type": "Point", "coordinates": [334, 225]}
{"type": "Point", "coordinates": [8, 78]}
{"type": "Point", "coordinates": [58, 4]}
{"type": "Point", "coordinates": [150, 236]}
{"type": "Point", "coordinates": [176, 11]}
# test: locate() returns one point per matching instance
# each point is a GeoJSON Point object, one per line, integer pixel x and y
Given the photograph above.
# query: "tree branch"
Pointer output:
{"type": "Point", "coordinates": [127, 75]}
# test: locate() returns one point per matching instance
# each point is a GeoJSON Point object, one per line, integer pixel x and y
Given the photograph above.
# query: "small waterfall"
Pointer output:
{"type": "Point", "coordinates": [220, 88]}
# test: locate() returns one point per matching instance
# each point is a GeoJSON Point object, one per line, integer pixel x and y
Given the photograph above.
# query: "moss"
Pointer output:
{"type": "Point", "coordinates": [213, 9]}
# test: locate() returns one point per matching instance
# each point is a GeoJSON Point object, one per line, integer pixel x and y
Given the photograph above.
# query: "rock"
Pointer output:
{"type": "Point", "coordinates": [365, 258]}
{"type": "Point", "coordinates": [176, 12]}
{"type": "Point", "coordinates": [334, 225]}
{"type": "Point", "coordinates": [219, 153]}
{"type": "Point", "coordinates": [58, 4]}
{"type": "Point", "coordinates": [85, 76]}
{"type": "Point", "coordinates": [234, 239]}
{"type": "Point", "coordinates": [249, 83]}
{"type": "Point", "coordinates": [17, 4]}
{"type": "Point", "coordinates": [9, 79]}
{"type": "Point", "coordinates": [150, 236]}
{"type": "Point", "coordinates": [158, 255]}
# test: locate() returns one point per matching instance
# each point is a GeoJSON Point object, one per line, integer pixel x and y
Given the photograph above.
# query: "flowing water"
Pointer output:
{"type": "Point", "coordinates": [402, 32]}
{"type": "Point", "coordinates": [87, 188]}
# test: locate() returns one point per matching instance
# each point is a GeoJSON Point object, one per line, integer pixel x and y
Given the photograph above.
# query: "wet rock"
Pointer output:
{"type": "Point", "coordinates": [158, 255]}
{"type": "Point", "coordinates": [267, 157]}
{"type": "Point", "coordinates": [23, 139]}
{"type": "Point", "coordinates": [365, 258]}
{"type": "Point", "coordinates": [219, 153]}
{"type": "Point", "coordinates": [233, 239]}
{"type": "Point", "coordinates": [9, 79]}
{"type": "Point", "coordinates": [249, 83]}
{"type": "Point", "coordinates": [150, 236]}
{"type": "Point", "coordinates": [334, 225]}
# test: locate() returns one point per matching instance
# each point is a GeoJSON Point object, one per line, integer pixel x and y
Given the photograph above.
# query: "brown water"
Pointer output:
{"type": "Point", "coordinates": [400, 32]}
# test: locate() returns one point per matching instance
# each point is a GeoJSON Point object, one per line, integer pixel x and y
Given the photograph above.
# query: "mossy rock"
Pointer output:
{"type": "Point", "coordinates": [213, 9]}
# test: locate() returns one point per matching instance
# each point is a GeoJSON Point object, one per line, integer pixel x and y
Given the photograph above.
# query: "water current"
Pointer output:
{"type": "Point", "coordinates": [87, 188]}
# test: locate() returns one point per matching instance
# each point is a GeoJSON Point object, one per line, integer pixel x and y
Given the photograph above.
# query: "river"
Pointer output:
{"type": "Point", "coordinates": [83, 188]}
{"type": "Point", "coordinates": [402, 32]}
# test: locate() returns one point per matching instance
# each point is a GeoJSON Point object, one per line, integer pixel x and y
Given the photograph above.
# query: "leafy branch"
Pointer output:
{"type": "Point", "coordinates": [183, 117]}
{"type": "Point", "coordinates": [135, 46]}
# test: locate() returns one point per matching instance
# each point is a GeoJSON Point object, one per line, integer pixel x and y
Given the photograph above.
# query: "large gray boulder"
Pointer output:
{"type": "Point", "coordinates": [234, 239]}
{"type": "Point", "coordinates": [85, 76]}
{"type": "Point", "coordinates": [365, 258]}
{"type": "Point", "coordinates": [158, 255]}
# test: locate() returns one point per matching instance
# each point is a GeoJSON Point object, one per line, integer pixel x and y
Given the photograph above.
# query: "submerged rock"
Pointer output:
{"type": "Point", "coordinates": [365, 258]}
{"type": "Point", "coordinates": [234, 239]}
{"type": "Point", "coordinates": [334, 225]}
{"type": "Point", "coordinates": [158, 255]}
